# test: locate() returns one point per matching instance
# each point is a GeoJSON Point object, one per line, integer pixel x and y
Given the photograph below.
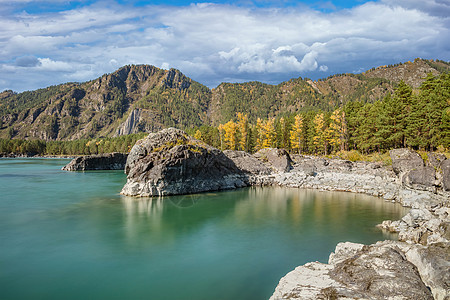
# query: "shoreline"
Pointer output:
{"type": "Point", "coordinates": [423, 239]}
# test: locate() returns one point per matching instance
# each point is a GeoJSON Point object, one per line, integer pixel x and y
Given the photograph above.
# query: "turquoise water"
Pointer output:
{"type": "Point", "coordinates": [67, 235]}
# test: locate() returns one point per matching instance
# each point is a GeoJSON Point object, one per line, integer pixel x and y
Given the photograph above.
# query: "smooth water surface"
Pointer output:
{"type": "Point", "coordinates": [70, 235]}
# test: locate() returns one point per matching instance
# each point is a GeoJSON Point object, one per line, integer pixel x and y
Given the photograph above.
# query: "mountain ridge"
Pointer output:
{"type": "Point", "coordinates": [138, 98]}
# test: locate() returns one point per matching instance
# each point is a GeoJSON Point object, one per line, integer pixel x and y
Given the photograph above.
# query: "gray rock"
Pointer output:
{"type": "Point", "coordinates": [445, 165]}
{"type": "Point", "coordinates": [170, 162]}
{"type": "Point", "coordinates": [420, 178]}
{"type": "Point", "coordinates": [435, 159]}
{"type": "Point", "coordinates": [110, 161]}
{"type": "Point", "coordinates": [247, 163]}
{"type": "Point", "coordinates": [379, 271]}
{"type": "Point", "coordinates": [278, 159]}
{"type": "Point", "coordinates": [404, 160]}
{"type": "Point", "coordinates": [433, 264]}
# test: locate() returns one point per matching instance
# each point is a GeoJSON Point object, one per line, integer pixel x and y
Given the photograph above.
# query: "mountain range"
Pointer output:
{"type": "Point", "coordinates": [138, 98]}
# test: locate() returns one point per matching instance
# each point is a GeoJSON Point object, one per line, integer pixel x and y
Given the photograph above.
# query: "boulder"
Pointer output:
{"type": "Point", "coordinates": [110, 161]}
{"type": "Point", "coordinates": [421, 178]}
{"type": "Point", "coordinates": [355, 271]}
{"type": "Point", "coordinates": [445, 166]}
{"type": "Point", "coordinates": [278, 159]}
{"type": "Point", "coordinates": [170, 162]}
{"type": "Point", "coordinates": [435, 159]}
{"type": "Point", "coordinates": [404, 160]}
{"type": "Point", "coordinates": [247, 163]}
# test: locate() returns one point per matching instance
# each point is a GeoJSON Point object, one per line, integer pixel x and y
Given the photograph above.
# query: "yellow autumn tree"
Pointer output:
{"type": "Point", "coordinates": [337, 130]}
{"type": "Point", "coordinates": [319, 139]}
{"type": "Point", "coordinates": [242, 124]}
{"type": "Point", "coordinates": [221, 134]}
{"type": "Point", "coordinates": [259, 134]}
{"type": "Point", "coordinates": [230, 135]}
{"type": "Point", "coordinates": [269, 133]}
{"type": "Point", "coordinates": [198, 135]}
{"type": "Point", "coordinates": [296, 133]}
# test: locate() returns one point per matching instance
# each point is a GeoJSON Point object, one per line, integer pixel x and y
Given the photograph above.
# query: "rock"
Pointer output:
{"type": "Point", "coordinates": [435, 159]}
{"type": "Point", "coordinates": [433, 264]}
{"type": "Point", "coordinates": [137, 121]}
{"type": "Point", "coordinates": [277, 159]}
{"type": "Point", "coordinates": [247, 163]}
{"type": "Point", "coordinates": [170, 162]}
{"type": "Point", "coordinates": [445, 166]}
{"type": "Point", "coordinates": [110, 161]}
{"type": "Point", "coordinates": [404, 160]}
{"type": "Point", "coordinates": [421, 178]}
{"type": "Point", "coordinates": [344, 251]}
{"type": "Point", "coordinates": [378, 271]}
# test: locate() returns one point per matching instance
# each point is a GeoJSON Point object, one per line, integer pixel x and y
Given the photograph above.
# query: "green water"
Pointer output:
{"type": "Point", "coordinates": [67, 235]}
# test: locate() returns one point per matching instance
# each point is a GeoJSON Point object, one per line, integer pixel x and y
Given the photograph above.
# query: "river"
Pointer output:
{"type": "Point", "coordinates": [70, 235]}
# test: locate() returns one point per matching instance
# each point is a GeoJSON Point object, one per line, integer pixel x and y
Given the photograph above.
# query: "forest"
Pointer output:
{"type": "Point", "coordinates": [419, 119]}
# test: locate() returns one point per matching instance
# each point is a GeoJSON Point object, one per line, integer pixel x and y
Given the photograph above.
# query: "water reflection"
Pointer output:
{"type": "Point", "coordinates": [296, 208]}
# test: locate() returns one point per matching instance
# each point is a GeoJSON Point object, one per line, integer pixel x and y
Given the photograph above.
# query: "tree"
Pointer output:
{"type": "Point", "coordinates": [320, 133]}
{"type": "Point", "coordinates": [337, 130]}
{"type": "Point", "coordinates": [230, 135]}
{"type": "Point", "coordinates": [243, 127]}
{"type": "Point", "coordinates": [198, 135]}
{"type": "Point", "coordinates": [296, 133]}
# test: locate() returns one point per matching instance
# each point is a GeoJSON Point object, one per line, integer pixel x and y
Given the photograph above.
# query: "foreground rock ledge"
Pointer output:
{"type": "Point", "coordinates": [385, 270]}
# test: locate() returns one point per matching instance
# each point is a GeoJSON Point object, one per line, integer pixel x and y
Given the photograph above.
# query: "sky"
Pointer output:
{"type": "Point", "coordinates": [50, 42]}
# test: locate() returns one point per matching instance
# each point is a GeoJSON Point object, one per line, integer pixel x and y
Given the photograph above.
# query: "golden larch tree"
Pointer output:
{"type": "Point", "coordinates": [296, 133]}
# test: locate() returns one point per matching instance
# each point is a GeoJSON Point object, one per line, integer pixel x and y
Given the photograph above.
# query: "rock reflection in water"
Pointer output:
{"type": "Point", "coordinates": [166, 217]}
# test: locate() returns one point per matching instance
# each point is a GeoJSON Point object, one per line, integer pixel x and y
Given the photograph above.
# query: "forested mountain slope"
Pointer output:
{"type": "Point", "coordinates": [153, 98]}
{"type": "Point", "coordinates": [145, 98]}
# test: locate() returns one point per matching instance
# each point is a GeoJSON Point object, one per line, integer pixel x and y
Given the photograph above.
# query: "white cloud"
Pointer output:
{"type": "Point", "coordinates": [213, 43]}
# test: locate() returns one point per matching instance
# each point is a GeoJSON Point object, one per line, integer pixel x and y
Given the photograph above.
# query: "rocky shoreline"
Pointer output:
{"type": "Point", "coordinates": [415, 267]}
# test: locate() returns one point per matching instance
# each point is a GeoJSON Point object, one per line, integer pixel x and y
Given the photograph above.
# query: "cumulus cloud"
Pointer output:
{"type": "Point", "coordinates": [213, 43]}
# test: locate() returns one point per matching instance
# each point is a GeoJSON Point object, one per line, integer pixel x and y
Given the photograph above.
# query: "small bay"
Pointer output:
{"type": "Point", "coordinates": [70, 235]}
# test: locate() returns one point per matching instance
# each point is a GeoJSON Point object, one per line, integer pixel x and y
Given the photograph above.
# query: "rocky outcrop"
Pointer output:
{"type": "Point", "coordinates": [385, 270]}
{"type": "Point", "coordinates": [139, 120]}
{"type": "Point", "coordinates": [170, 162]}
{"type": "Point", "coordinates": [277, 159]}
{"type": "Point", "coordinates": [110, 161]}
{"type": "Point", "coordinates": [404, 160]}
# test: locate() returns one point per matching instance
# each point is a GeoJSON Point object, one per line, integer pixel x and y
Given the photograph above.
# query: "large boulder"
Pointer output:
{"type": "Point", "coordinates": [248, 163]}
{"type": "Point", "coordinates": [404, 160]}
{"type": "Point", "coordinates": [278, 159]}
{"type": "Point", "coordinates": [422, 178]}
{"type": "Point", "coordinates": [170, 162]}
{"type": "Point", "coordinates": [110, 161]}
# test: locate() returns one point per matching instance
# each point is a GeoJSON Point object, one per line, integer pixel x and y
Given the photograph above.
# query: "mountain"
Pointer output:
{"type": "Point", "coordinates": [139, 98]}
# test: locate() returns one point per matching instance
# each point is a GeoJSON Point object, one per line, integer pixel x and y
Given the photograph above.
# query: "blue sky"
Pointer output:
{"type": "Point", "coordinates": [50, 42]}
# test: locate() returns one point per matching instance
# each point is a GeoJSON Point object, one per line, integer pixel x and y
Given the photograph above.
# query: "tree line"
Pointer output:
{"type": "Point", "coordinates": [417, 119]}
{"type": "Point", "coordinates": [76, 147]}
